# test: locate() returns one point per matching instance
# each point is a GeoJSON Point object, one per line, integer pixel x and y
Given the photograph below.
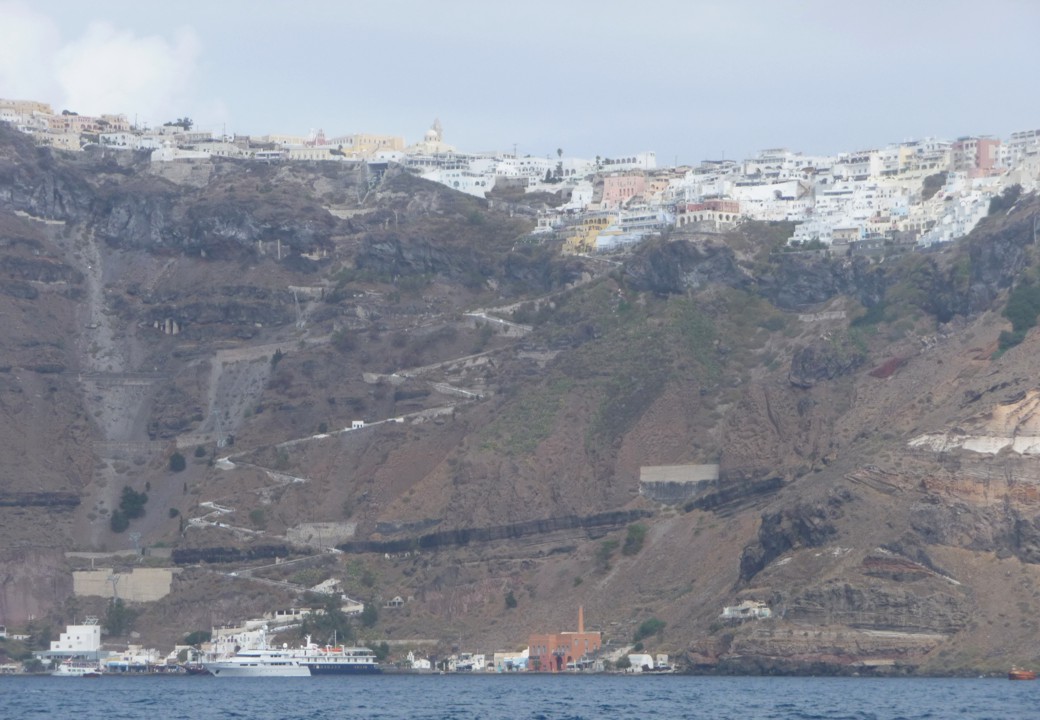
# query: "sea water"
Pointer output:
{"type": "Point", "coordinates": [516, 697]}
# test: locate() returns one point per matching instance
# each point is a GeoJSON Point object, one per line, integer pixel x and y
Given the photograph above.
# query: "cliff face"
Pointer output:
{"type": "Point", "coordinates": [327, 348]}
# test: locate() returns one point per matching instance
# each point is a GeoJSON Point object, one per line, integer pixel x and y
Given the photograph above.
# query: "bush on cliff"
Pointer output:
{"type": "Point", "coordinates": [177, 462]}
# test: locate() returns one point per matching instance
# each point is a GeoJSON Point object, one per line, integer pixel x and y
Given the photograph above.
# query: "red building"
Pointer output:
{"type": "Point", "coordinates": [557, 652]}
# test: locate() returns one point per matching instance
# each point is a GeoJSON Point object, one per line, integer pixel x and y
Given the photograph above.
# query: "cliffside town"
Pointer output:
{"type": "Point", "coordinates": [913, 193]}
{"type": "Point", "coordinates": [773, 415]}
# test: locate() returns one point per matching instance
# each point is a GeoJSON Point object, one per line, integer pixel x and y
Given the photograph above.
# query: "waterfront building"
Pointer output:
{"type": "Point", "coordinates": [561, 651]}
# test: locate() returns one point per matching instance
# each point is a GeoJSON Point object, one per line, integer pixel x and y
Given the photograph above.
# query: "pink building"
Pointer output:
{"type": "Point", "coordinates": [619, 189]}
{"type": "Point", "coordinates": [976, 156]}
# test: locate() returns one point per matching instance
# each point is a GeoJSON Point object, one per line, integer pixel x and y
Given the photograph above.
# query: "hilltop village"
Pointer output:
{"type": "Point", "coordinates": [869, 201]}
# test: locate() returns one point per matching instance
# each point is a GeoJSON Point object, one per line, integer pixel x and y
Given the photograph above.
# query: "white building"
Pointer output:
{"type": "Point", "coordinates": [418, 663]}
{"type": "Point", "coordinates": [169, 154]}
{"type": "Point", "coordinates": [78, 640]}
{"type": "Point", "coordinates": [461, 180]}
{"type": "Point", "coordinates": [639, 161]}
{"type": "Point", "coordinates": [747, 610]}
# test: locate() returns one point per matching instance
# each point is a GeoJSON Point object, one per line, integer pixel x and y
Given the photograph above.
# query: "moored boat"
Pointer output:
{"type": "Point", "coordinates": [1020, 674]}
{"type": "Point", "coordinates": [337, 660]}
{"type": "Point", "coordinates": [296, 662]}
{"type": "Point", "coordinates": [77, 668]}
{"type": "Point", "coordinates": [258, 663]}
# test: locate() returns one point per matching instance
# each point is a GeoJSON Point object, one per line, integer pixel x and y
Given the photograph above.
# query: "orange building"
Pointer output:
{"type": "Point", "coordinates": [557, 652]}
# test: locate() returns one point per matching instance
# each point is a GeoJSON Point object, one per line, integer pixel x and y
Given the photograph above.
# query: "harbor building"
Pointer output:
{"type": "Point", "coordinates": [562, 651]}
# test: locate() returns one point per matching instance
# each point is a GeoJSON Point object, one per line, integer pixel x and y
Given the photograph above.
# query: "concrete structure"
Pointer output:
{"type": "Point", "coordinates": [138, 585]}
{"type": "Point", "coordinates": [327, 534]}
{"type": "Point", "coordinates": [676, 484]}
{"type": "Point", "coordinates": [640, 662]}
{"type": "Point", "coordinates": [644, 662]}
{"type": "Point", "coordinates": [561, 651]}
{"type": "Point", "coordinates": [747, 610]}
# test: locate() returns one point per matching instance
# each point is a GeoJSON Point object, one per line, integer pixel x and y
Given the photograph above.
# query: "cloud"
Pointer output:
{"type": "Point", "coordinates": [112, 70]}
{"type": "Point", "coordinates": [28, 41]}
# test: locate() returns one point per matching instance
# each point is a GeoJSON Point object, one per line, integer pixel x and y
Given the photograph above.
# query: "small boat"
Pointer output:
{"type": "Point", "coordinates": [194, 669]}
{"type": "Point", "coordinates": [1019, 674]}
{"type": "Point", "coordinates": [77, 668]}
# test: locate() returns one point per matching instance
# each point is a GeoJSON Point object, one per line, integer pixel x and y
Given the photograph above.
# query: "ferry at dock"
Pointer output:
{"type": "Point", "coordinates": [306, 661]}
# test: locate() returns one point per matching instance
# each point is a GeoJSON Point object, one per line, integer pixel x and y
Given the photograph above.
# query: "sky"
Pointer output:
{"type": "Point", "coordinates": [688, 79]}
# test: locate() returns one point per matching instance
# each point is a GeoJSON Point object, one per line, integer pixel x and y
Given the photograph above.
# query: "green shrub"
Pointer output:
{"type": "Point", "coordinates": [200, 451]}
{"type": "Point", "coordinates": [118, 522]}
{"type": "Point", "coordinates": [1010, 339]}
{"type": "Point", "coordinates": [604, 553]}
{"type": "Point", "coordinates": [1023, 306]}
{"type": "Point", "coordinates": [634, 539]}
{"type": "Point", "coordinates": [177, 462]}
{"type": "Point", "coordinates": [1023, 309]}
{"type": "Point", "coordinates": [132, 503]}
{"type": "Point", "coordinates": [510, 600]}
{"type": "Point", "coordinates": [198, 637]}
{"type": "Point", "coordinates": [370, 615]}
{"type": "Point", "coordinates": [1006, 200]}
{"type": "Point", "coordinates": [119, 619]}
{"type": "Point", "coordinates": [653, 626]}
{"type": "Point", "coordinates": [258, 517]}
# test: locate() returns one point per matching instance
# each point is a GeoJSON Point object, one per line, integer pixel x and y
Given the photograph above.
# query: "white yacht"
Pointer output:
{"type": "Point", "coordinates": [259, 663]}
{"type": "Point", "coordinates": [309, 660]}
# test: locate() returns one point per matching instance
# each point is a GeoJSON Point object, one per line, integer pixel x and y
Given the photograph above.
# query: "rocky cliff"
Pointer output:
{"type": "Point", "coordinates": [259, 349]}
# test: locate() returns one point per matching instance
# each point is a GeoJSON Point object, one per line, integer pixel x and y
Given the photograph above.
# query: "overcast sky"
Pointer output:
{"type": "Point", "coordinates": [689, 79]}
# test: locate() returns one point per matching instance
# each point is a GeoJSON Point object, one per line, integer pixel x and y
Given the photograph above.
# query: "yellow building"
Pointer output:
{"type": "Point", "coordinates": [365, 144]}
{"type": "Point", "coordinates": [583, 235]}
{"type": "Point", "coordinates": [27, 107]}
{"type": "Point", "coordinates": [286, 140]}
{"type": "Point", "coordinates": [115, 123]}
{"type": "Point", "coordinates": [60, 140]}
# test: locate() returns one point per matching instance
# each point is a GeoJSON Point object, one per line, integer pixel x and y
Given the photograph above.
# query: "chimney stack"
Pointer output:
{"type": "Point", "coordinates": [581, 618]}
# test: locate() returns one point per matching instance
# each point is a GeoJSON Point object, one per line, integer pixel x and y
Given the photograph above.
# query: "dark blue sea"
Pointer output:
{"type": "Point", "coordinates": [516, 697]}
